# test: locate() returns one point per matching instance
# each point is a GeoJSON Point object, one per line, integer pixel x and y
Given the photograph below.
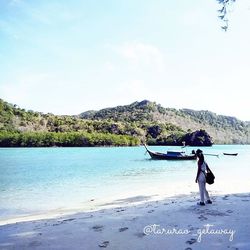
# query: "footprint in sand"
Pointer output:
{"type": "Point", "coordinates": [229, 211]}
{"type": "Point", "coordinates": [87, 217]}
{"type": "Point", "coordinates": [34, 244]}
{"type": "Point", "coordinates": [121, 210]}
{"type": "Point", "coordinates": [68, 220]}
{"type": "Point", "coordinates": [63, 221]}
{"type": "Point", "coordinates": [122, 229]}
{"type": "Point", "coordinates": [151, 211]}
{"type": "Point", "coordinates": [191, 228]}
{"type": "Point", "coordinates": [98, 228]}
{"type": "Point", "coordinates": [242, 195]}
{"type": "Point", "coordinates": [202, 218]}
{"type": "Point", "coordinates": [57, 224]}
{"type": "Point", "coordinates": [216, 213]}
{"type": "Point", "coordinates": [188, 248]}
{"type": "Point", "coordinates": [191, 241]}
{"type": "Point", "coordinates": [140, 235]}
{"type": "Point", "coordinates": [132, 219]}
{"type": "Point", "coordinates": [104, 244]}
{"type": "Point", "coordinates": [225, 197]}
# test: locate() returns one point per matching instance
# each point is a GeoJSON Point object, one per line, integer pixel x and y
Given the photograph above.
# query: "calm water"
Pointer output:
{"type": "Point", "coordinates": [40, 179]}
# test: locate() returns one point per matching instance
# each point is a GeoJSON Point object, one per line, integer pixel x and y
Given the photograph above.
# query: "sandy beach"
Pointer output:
{"type": "Point", "coordinates": [136, 223]}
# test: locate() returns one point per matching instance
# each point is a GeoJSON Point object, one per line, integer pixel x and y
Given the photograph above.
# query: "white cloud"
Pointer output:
{"type": "Point", "coordinates": [140, 54]}
{"type": "Point", "coordinates": [109, 66]}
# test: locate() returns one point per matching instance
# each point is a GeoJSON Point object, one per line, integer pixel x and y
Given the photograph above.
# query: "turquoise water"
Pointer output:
{"type": "Point", "coordinates": [42, 179]}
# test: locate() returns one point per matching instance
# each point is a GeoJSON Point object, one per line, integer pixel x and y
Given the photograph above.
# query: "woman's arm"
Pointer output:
{"type": "Point", "coordinates": [198, 172]}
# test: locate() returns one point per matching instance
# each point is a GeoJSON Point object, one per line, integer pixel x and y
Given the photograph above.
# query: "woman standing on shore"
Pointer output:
{"type": "Point", "coordinates": [201, 178]}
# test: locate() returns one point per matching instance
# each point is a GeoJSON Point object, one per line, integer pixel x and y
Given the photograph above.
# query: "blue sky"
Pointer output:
{"type": "Point", "coordinates": [66, 57]}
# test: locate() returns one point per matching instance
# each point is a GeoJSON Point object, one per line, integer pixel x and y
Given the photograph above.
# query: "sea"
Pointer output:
{"type": "Point", "coordinates": [42, 180]}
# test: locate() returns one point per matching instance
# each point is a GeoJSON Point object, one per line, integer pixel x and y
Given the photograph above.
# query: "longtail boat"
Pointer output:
{"type": "Point", "coordinates": [170, 155]}
{"type": "Point", "coordinates": [232, 154]}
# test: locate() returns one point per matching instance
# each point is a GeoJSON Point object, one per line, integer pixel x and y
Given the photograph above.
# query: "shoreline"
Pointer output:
{"type": "Point", "coordinates": [128, 199]}
{"type": "Point", "coordinates": [123, 227]}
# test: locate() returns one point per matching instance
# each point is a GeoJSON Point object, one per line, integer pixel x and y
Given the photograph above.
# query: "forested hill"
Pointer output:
{"type": "Point", "coordinates": [127, 125]}
{"type": "Point", "coordinates": [223, 129]}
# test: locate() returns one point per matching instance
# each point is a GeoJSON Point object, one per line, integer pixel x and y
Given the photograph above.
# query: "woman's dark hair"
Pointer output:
{"type": "Point", "coordinates": [200, 155]}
